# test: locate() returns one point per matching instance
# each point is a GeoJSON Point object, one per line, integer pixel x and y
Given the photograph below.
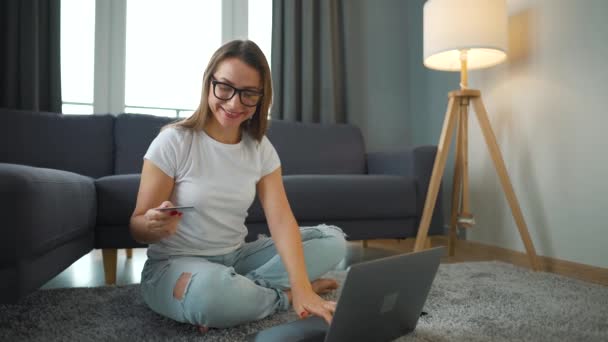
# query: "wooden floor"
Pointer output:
{"type": "Point", "coordinates": [88, 270]}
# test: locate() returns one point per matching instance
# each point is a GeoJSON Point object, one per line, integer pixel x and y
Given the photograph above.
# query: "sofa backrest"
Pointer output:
{"type": "Point", "coordinates": [133, 134]}
{"type": "Point", "coordinates": [310, 148]}
{"type": "Point", "coordinates": [303, 148]}
{"type": "Point", "coordinates": [76, 143]}
{"type": "Point", "coordinates": [101, 145]}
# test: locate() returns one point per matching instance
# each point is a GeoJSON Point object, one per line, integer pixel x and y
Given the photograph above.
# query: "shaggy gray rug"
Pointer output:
{"type": "Point", "coordinates": [468, 302]}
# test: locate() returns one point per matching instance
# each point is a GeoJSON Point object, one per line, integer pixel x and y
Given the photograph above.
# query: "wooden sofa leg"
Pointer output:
{"type": "Point", "coordinates": [129, 253]}
{"type": "Point", "coordinates": [364, 243]}
{"type": "Point", "coordinates": [109, 265]}
{"type": "Point", "coordinates": [427, 243]}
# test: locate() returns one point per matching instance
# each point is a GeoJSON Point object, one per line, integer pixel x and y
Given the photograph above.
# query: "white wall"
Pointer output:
{"type": "Point", "coordinates": [548, 106]}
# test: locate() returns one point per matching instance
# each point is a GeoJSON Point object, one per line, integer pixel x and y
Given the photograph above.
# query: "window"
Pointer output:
{"type": "Point", "coordinates": [164, 47]}
{"type": "Point", "coordinates": [77, 50]}
{"type": "Point", "coordinates": [167, 50]}
{"type": "Point", "coordinates": [259, 28]}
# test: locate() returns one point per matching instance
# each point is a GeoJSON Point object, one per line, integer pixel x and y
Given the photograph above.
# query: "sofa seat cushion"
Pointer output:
{"type": "Point", "coordinates": [312, 197]}
{"type": "Point", "coordinates": [116, 197]}
{"type": "Point", "coordinates": [341, 197]}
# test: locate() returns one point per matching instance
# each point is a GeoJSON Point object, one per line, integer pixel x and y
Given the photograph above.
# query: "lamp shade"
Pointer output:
{"type": "Point", "coordinates": [478, 26]}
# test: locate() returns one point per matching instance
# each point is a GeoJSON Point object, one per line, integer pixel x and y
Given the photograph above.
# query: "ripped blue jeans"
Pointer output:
{"type": "Point", "coordinates": [243, 286]}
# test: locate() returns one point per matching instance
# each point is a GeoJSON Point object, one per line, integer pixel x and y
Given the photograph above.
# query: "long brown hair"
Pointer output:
{"type": "Point", "coordinates": [251, 54]}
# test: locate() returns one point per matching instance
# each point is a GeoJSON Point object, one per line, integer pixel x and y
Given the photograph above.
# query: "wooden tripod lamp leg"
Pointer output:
{"type": "Point", "coordinates": [465, 218]}
{"type": "Point", "coordinates": [438, 168]}
{"type": "Point", "coordinates": [501, 169]}
{"type": "Point", "coordinates": [456, 190]}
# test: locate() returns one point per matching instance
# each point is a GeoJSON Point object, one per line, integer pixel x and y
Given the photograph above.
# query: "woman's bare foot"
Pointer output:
{"type": "Point", "coordinates": [202, 329]}
{"type": "Point", "coordinates": [319, 286]}
{"type": "Point", "coordinates": [324, 285]}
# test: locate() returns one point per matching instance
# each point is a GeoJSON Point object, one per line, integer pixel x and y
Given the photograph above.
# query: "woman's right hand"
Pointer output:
{"type": "Point", "coordinates": [162, 223]}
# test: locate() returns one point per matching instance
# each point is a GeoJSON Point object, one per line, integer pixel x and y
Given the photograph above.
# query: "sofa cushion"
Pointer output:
{"type": "Point", "coordinates": [355, 229]}
{"type": "Point", "coordinates": [348, 197]}
{"type": "Point", "coordinates": [78, 143]}
{"type": "Point", "coordinates": [306, 148]}
{"type": "Point", "coordinates": [312, 197]}
{"type": "Point", "coordinates": [116, 197]}
{"type": "Point", "coordinates": [133, 134]}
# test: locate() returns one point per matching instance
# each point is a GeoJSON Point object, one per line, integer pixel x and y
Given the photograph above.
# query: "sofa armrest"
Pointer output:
{"type": "Point", "coordinates": [416, 162]}
{"type": "Point", "coordinates": [42, 208]}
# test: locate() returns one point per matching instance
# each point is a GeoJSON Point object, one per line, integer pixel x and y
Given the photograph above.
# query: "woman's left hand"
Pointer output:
{"type": "Point", "coordinates": [307, 302]}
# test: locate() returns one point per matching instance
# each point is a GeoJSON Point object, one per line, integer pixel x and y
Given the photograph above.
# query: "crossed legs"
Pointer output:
{"type": "Point", "coordinates": [243, 286]}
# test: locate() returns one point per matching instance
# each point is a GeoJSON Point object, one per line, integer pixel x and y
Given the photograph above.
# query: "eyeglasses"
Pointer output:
{"type": "Point", "coordinates": [225, 92]}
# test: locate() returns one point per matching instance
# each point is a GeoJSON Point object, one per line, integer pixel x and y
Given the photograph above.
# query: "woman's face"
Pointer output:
{"type": "Point", "coordinates": [233, 73]}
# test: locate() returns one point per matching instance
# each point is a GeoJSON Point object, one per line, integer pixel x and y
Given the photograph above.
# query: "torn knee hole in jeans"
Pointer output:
{"type": "Point", "coordinates": [181, 284]}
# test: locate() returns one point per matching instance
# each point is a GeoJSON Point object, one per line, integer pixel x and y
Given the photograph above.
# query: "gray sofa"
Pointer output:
{"type": "Point", "coordinates": [69, 185]}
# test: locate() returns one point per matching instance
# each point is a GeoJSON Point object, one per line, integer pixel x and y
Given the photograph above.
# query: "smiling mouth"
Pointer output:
{"type": "Point", "coordinates": [231, 115]}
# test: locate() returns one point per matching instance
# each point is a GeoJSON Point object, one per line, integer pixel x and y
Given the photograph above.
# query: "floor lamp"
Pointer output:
{"type": "Point", "coordinates": [461, 35]}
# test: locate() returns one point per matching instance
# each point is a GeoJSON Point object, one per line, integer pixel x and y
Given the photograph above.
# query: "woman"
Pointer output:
{"type": "Point", "coordinates": [199, 269]}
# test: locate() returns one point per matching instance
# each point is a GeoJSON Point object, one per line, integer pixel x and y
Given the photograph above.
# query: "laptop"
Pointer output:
{"type": "Point", "coordinates": [381, 300]}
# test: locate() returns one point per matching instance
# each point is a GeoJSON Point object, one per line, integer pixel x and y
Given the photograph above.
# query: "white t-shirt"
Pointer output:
{"type": "Point", "coordinates": [218, 179]}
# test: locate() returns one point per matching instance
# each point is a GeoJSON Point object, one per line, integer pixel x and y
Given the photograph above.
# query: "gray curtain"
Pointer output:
{"type": "Point", "coordinates": [308, 61]}
{"type": "Point", "coordinates": [30, 69]}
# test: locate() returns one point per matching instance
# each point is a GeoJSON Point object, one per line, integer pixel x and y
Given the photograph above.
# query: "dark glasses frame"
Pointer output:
{"type": "Point", "coordinates": [235, 90]}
